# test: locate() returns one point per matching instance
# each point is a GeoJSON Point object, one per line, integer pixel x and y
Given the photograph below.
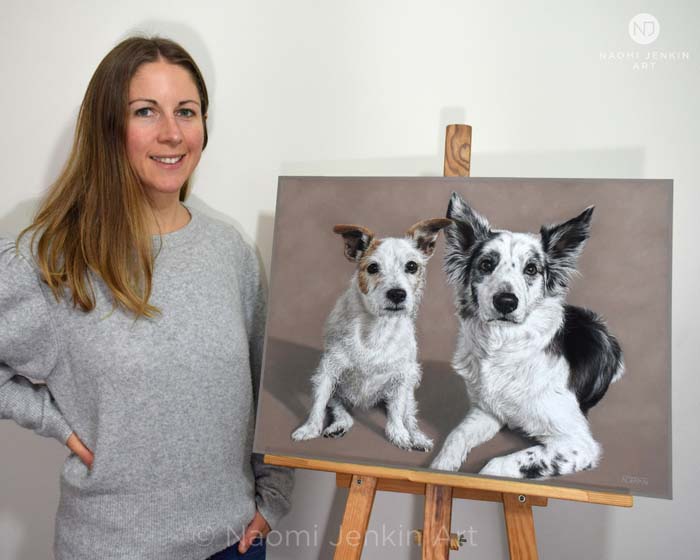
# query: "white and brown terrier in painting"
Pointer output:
{"type": "Point", "coordinates": [370, 350]}
{"type": "Point", "coordinates": [530, 361]}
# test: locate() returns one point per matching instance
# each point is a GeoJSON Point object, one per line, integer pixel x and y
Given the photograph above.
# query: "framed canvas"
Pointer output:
{"type": "Point", "coordinates": [517, 328]}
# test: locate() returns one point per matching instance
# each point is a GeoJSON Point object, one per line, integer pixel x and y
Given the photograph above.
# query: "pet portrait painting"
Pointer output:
{"type": "Point", "coordinates": [515, 328]}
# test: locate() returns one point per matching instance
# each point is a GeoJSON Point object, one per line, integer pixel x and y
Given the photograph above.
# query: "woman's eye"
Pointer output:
{"type": "Point", "coordinates": [531, 269]}
{"type": "Point", "coordinates": [486, 265]}
{"type": "Point", "coordinates": [411, 267]}
{"type": "Point", "coordinates": [143, 112]}
{"type": "Point", "coordinates": [186, 113]}
{"type": "Point", "coordinates": [373, 268]}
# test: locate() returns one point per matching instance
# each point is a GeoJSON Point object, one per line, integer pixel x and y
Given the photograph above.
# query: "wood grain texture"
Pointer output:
{"type": "Point", "coordinates": [437, 520]}
{"type": "Point", "coordinates": [457, 480]}
{"type": "Point", "coordinates": [356, 518]}
{"type": "Point", "coordinates": [520, 527]}
{"type": "Point", "coordinates": [405, 487]}
{"type": "Point", "coordinates": [455, 542]}
{"type": "Point", "coordinates": [458, 150]}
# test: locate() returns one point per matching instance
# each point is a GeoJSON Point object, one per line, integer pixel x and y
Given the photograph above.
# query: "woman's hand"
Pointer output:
{"type": "Point", "coordinates": [78, 447]}
{"type": "Point", "coordinates": [257, 528]}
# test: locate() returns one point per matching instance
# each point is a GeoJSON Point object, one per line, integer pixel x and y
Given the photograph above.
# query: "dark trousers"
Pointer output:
{"type": "Point", "coordinates": [255, 552]}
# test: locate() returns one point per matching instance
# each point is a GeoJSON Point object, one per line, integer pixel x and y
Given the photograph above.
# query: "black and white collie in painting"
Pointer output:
{"type": "Point", "coordinates": [530, 361]}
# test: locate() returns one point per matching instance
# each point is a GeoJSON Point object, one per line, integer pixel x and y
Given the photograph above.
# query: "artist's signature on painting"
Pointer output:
{"type": "Point", "coordinates": [637, 480]}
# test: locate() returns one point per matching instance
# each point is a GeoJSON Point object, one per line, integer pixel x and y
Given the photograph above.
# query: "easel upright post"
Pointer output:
{"type": "Point", "coordinates": [458, 150]}
{"type": "Point", "coordinates": [520, 527]}
{"type": "Point", "coordinates": [438, 499]}
{"type": "Point", "coordinates": [356, 518]}
{"type": "Point", "coordinates": [517, 509]}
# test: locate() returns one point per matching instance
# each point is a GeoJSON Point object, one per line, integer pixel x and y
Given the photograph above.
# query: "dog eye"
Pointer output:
{"type": "Point", "coordinates": [373, 268]}
{"type": "Point", "coordinates": [411, 267]}
{"type": "Point", "coordinates": [486, 265]}
{"type": "Point", "coordinates": [531, 269]}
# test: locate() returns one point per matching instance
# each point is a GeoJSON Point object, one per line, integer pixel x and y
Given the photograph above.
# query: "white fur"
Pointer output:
{"type": "Point", "coordinates": [370, 352]}
{"type": "Point", "coordinates": [513, 376]}
{"type": "Point", "coordinates": [512, 381]}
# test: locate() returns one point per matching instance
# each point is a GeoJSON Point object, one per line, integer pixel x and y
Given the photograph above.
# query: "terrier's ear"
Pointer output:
{"type": "Point", "coordinates": [357, 239]}
{"type": "Point", "coordinates": [425, 234]}
{"type": "Point", "coordinates": [467, 229]}
{"type": "Point", "coordinates": [562, 244]}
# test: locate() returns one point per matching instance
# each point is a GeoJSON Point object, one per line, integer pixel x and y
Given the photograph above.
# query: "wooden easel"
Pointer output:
{"type": "Point", "coordinates": [440, 488]}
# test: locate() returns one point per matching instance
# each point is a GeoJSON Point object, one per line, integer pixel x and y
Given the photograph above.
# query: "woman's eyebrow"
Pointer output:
{"type": "Point", "coordinates": [143, 99]}
{"type": "Point", "coordinates": [156, 103]}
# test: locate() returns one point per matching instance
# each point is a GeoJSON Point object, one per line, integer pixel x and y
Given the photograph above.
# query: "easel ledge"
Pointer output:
{"type": "Point", "coordinates": [468, 487]}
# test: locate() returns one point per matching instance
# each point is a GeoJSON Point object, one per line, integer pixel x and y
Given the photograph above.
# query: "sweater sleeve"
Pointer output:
{"type": "Point", "coordinates": [273, 485]}
{"type": "Point", "coordinates": [28, 348]}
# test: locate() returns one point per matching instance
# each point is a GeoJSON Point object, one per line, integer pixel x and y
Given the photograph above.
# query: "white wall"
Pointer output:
{"type": "Point", "coordinates": [365, 88]}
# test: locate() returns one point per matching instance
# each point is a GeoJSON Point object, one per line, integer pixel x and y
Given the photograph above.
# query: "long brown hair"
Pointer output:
{"type": "Point", "coordinates": [94, 218]}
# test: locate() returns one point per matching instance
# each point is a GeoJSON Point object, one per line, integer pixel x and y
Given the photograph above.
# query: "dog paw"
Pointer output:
{"type": "Point", "coordinates": [445, 463]}
{"type": "Point", "coordinates": [399, 437]}
{"type": "Point", "coordinates": [335, 431]}
{"type": "Point", "coordinates": [421, 442]}
{"type": "Point", "coordinates": [307, 431]}
{"type": "Point", "coordinates": [502, 466]}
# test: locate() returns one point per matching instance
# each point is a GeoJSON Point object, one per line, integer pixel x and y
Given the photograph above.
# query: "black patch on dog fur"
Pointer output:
{"type": "Point", "coordinates": [467, 302]}
{"type": "Point", "coordinates": [537, 261]}
{"type": "Point", "coordinates": [593, 354]}
{"type": "Point", "coordinates": [340, 432]}
{"type": "Point", "coordinates": [535, 470]}
{"type": "Point", "coordinates": [478, 275]}
{"type": "Point", "coordinates": [471, 276]}
{"type": "Point", "coordinates": [463, 238]}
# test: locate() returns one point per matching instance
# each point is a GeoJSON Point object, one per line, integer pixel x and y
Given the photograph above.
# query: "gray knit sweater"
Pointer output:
{"type": "Point", "coordinates": [165, 404]}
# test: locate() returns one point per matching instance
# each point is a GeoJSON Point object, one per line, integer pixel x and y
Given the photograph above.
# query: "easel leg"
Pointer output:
{"type": "Point", "coordinates": [520, 527]}
{"type": "Point", "coordinates": [437, 520]}
{"type": "Point", "coordinates": [356, 518]}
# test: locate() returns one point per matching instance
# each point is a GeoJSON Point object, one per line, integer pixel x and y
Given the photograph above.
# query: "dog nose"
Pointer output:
{"type": "Point", "coordinates": [505, 302]}
{"type": "Point", "coordinates": [396, 295]}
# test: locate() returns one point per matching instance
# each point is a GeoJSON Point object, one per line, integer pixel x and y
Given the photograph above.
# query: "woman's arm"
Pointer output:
{"type": "Point", "coordinates": [273, 484]}
{"type": "Point", "coordinates": [28, 348]}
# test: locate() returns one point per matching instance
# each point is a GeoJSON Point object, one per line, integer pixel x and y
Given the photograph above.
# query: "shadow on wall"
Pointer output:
{"type": "Point", "coordinates": [588, 163]}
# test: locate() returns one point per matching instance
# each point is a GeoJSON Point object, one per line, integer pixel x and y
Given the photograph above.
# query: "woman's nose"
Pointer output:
{"type": "Point", "coordinates": [170, 132]}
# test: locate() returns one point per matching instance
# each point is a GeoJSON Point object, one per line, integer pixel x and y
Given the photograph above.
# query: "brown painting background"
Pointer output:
{"type": "Point", "coordinates": [625, 277]}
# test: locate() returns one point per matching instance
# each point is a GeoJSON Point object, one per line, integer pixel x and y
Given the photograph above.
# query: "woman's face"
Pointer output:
{"type": "Point", "coordinates": [165, 130]}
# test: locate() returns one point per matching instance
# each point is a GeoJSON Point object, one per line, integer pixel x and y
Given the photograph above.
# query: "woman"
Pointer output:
{"type": "Point", "coordinates": [144, 318]}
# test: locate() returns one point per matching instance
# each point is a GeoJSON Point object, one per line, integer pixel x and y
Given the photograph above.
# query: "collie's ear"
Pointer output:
{"type": "Point", "coordinates": [357, 239]}
{"type": "Point", "coordinates": [425, 234]}
{"type": "Point", "coordinates": [467, 229]}
{"type": "Point", "coordinates": [562, 244]}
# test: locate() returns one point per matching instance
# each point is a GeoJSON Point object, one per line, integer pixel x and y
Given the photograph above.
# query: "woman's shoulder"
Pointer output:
{"type": "Point", "coordinates": [16, 255]}
{"type": "Point", "coordinates": [20, 277]}
{"type": "Point", "coordinates": [222, 234]}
